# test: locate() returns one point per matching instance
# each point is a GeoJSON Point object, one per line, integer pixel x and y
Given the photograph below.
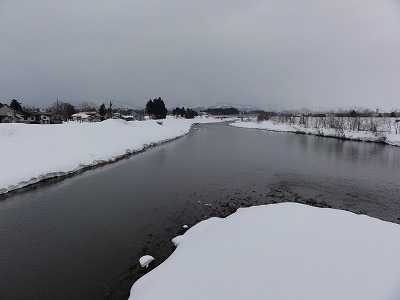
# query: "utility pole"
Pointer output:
{"type": "Point", "coordinates": [110, 109]}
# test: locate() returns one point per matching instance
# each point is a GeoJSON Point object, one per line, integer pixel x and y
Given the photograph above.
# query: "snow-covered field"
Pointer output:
{"type": "Point", "coordinates": [31, 153]}
{"type": "Point", "coordinates": [280, 251]}
{"type": "Point", "coordinates": [385, 137]}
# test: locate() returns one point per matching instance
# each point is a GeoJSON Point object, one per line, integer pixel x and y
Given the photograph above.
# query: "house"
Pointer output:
{"type": "Point", "coordinates": [27, 117]}
{"type": "Point", "coordinates": [91, 116]}
{"type": "Point", "coordinates": [10, 115]}
{"type": "Point", "coordinates": [81, 117]}
{"type": "Point", "coordinates": [45, 118]}
{"type": "Point", "coordinates": [7, 114]}
{"type": "Point", "coordinates": [129, 115]}
{"type": "Point", "coordinates": [55, 118]}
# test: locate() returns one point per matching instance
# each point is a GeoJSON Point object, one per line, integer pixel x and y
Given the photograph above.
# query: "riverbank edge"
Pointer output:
{"type": "Point", "coordinates": [377, 139]}
{"type": "Point", "coordinates": [59, 176]}
{"type": "Point", "coordinates": [140, 288]}
{"type": "Point", "coordinates": [162, 251]}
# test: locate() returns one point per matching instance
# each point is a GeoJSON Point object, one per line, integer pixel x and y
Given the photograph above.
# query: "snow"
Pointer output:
{"type": "Point", "coordinates": [31, 153]}
{"type": "Point", "coordinates": [146, 260]}
{"type": "Point", "coordinates": [280, 251]}
{"type": "Point", "coordinates": [385, 137]}
{"type": "Point", "coordinates": [177, 240]}
{"type": "Point", "coordinates": [81, 115]}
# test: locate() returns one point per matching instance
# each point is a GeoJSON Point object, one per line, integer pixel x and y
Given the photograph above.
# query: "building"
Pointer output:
{"type": "Point", "coordinates": [7, 114]}
{"type": "Point", "coordinates": [86, 117]}
{"type": "Point", "coordinates": [10, 115]}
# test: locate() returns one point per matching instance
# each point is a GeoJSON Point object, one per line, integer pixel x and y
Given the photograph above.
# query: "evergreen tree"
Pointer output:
{"type": "Point", "coordinates": [14, 104]}
{"type": "Point", "coordinates": [102, 111]}
{"type": "Point", "coordinates": [156, 108]}
{"type": "Point", "coordinates": [150, 107]}
{"type": "Point", "coordinates": [179, 112]}
{"type": "Point", "coordinates": [190, 114]}
{"type": "Point", "coordinates": [182, 112]}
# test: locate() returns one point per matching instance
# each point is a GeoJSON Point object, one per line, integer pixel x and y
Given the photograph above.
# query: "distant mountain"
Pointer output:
{"type": "Point", "coordinates": [199, 108]}
{"type": "Point", "coordinates": [118, 104]}
{"type": "Point", "coordinates": [239, 107]}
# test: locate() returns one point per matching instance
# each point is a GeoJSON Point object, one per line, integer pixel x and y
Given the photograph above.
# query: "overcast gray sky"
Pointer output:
{"type": "Point", "coordinates": [275, 54]}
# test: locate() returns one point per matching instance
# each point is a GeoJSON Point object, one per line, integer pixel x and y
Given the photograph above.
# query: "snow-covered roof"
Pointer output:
{"type": "Point", "coordinates": [81, 115]}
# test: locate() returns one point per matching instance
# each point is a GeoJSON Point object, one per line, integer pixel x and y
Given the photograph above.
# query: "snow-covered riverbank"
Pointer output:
{"type": "Point", "coordinates": [280, 251]}
{"type": "Point", "coordinates": [31, 153]}
{"type": "Point", "coordinates": [381, 137]}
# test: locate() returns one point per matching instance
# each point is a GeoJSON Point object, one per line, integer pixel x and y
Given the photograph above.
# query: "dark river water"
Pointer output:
{"type": "Point", "coordinates": [81, 237]}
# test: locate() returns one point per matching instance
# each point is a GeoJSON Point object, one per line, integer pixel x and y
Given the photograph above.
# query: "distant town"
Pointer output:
{"type": "Point", "coordinates": [59, 111]}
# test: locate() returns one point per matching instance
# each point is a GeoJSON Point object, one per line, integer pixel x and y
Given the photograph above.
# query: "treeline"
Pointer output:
{"type": "Point", "coordinates": [222, 111]}
{"type": "Point", "coordinates": [184, 113]}
{"type": "Point", "coordinates": [341, 122]}
{"type": "Point", "coordinates": [266, 115]}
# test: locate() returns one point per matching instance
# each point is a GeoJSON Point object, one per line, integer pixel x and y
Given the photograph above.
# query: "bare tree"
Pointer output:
{"type": "Point", "coordinates": [87, 106]}
{"type": "Point", "coordinates": [64, 109]}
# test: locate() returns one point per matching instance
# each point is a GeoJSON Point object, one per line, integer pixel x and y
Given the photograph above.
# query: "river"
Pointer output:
{"type": "Point", "coordinates": [81, 237]}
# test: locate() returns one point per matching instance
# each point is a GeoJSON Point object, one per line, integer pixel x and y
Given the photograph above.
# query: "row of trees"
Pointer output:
{"type": "Point", "coordinates": [184, 113]}
{"type": "Point", "coordinates": [339, 123]}
{"type": "Point", "coordinates": [265, 115]}
{"type": "Point", "coordinates": [222, 111]}
{"type": "Point", "coordinates": [340, 113]}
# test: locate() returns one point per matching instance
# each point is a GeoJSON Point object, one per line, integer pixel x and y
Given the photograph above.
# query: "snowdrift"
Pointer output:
{"type": "Point", "coordinates": [31, 153]}
{"type": "Point", "coordinates": [381, 137]}
{"type": "Point", "coordinates": [280, 251]}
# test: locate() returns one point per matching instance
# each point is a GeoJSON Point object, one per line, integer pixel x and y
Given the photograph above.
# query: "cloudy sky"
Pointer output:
{"type": "Point", "coordinates": [275, 54]}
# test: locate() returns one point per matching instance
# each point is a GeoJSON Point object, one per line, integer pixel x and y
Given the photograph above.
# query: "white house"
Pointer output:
{"type": "Point", "coordinates": [86, 117]}
{"type": "Point", "coordinates": [81, 117]}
